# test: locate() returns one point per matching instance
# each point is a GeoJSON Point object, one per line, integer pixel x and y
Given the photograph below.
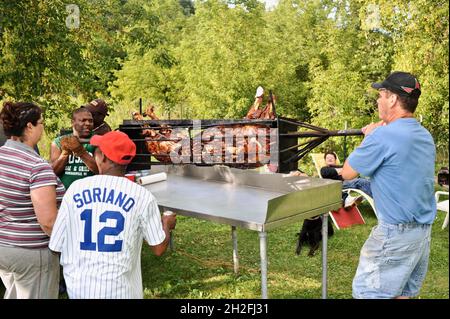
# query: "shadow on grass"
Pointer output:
{"type": "Point", "coordinates": [201, 265]}
{"type": "Point", "coordinates": [203, 268]}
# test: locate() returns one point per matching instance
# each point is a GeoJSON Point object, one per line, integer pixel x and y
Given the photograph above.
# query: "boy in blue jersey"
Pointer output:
{"type": "Point", "coordinates": [398, 154]}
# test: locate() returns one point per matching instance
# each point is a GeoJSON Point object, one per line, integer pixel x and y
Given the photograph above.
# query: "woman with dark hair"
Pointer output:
{"type": "Point", "coordinates": [2, 135]}
{"type": "Point", "coordinates": [30, 193]}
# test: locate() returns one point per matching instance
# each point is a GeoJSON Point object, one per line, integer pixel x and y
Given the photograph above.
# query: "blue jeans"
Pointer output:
{"type": "Point", "coordinates": [358, 183]}
{"type": "Point", "coordinates": [393, 261]}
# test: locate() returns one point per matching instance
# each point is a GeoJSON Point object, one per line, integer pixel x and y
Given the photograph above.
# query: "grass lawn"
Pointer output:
{"type": "Point", "coordinates": [201, 264]}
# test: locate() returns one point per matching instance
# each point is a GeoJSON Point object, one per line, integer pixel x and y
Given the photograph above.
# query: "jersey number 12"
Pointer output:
{"type": "Point", "coordinates": [88, 244]}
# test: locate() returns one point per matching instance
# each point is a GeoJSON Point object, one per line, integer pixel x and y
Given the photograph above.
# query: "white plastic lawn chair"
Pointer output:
{"type": "Point", "coordinates": [442, 206]}
{"type": "Point", "coordinates": [319, 162]}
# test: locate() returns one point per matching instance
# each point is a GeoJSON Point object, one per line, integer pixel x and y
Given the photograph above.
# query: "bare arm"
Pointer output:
{"type": "Point", "coordinates": [168, 223]}
{"type": "Point", "coordinates": [81, 152]}
{"type": "Point", "coordinates": [44, 203]}
{"type": "Point", "coordinates": [58, 159]}
{"type": "Point", "coordinates": [90, 162]}
{"type": "Point", "coordinates": [348, 172]}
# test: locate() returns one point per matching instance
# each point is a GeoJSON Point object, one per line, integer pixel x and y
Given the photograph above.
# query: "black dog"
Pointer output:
{"type": "Point", "coordinates": [311, 233]}
{"type": "Point", "coordinates": [443, 176]}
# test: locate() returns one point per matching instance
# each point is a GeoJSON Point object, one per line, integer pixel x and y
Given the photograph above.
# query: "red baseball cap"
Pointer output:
{"type": "Point", "coordinates": [116, 145]}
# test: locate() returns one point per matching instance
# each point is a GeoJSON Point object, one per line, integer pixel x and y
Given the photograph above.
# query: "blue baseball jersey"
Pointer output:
{"type": "Point", "coordinates": [99, 231]}
{"type": "Point", "coordinates": [399, 158]}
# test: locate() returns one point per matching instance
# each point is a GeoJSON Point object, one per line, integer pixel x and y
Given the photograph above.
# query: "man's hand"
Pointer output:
{"type": "Point", "coordinates": [369, 128]}
{"type": "Point", "coordinates": [71, 144]}
{"type": "Point", "coordinates": [65, 153]}
{"type": "Point", "coordinates": [297, 173]}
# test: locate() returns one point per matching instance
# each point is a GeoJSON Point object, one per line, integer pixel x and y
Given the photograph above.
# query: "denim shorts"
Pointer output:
{"type": "Point", "coordinates": [393, 261]}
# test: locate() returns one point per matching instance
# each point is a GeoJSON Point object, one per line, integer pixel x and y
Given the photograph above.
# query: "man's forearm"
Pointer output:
{"type": "Point", "coordinates": [59, 164]}
{"type": "Point", "coordinates": [159, 249]}
{"type": "Point", "coordinates": [90, 162]}
{"type": "Point", "coordinates": [348, 172]}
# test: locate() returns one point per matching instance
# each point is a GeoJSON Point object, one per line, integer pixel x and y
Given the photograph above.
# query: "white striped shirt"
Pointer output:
{"type": "Point", "coordinates": [99, 231]}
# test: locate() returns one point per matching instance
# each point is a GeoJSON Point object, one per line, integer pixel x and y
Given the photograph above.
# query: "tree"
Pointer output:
{"type": "Point", "coordinates": [420, 32]}
{"type": "Point", "coordinates": [340, 88]}
{"type": "Point", "coordinates": [150, 70]}
{"type": "Point", "coordinates": [54, 54]}
{"type": "Point", "coordinates": [222, 59]}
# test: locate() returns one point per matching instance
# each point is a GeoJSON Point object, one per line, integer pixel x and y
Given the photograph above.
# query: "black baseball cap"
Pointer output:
{"type": "Point", "coordinates": [97, 106]}
{"type": "Point", "coordinates": [401, 83]}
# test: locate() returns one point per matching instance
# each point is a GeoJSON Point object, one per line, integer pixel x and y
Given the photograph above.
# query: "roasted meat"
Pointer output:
{"type": "Point", "coordinates": [235, 145]}
{"type": "Point", "coordinates": [239, 145]}
{"type": "Point", "coordinates": [256, 112]}
{"type": "Point", "coordinates": [163, 142]}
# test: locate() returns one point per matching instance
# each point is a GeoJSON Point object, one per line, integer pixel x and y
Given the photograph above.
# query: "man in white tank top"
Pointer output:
{"type": "Point", "coordinates": [101, 225]}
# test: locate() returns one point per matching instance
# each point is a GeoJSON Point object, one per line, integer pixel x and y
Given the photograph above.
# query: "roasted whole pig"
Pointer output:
{"type": "Point", "coordinates": [238, 145]}
{"type": "Point", "coordinates": [256, 112]}
{"type": "Point", "coordinates": [234, 145]}
{"type": "Point", "coordinates": [164, 143]}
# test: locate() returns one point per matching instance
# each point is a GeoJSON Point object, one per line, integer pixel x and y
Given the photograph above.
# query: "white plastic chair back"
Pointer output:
{"type": "Point", "coordinates": [442, 206]}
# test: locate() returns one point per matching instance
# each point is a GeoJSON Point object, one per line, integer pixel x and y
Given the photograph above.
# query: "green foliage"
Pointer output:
{"type": "Point", "coordinates": [47, 61]}
{"type": "Point", "coordinates": [341, 95]}
{"type": "Point", "coordinates": [204, 59]}
{"type": "Point", "coordinates": [150, 70]}
{"type": "Point", "coordinates": [222, 59]}
{"type": "Point", "coordinates": [427, 57]}
{"type": "Point", "coordinates": [39, 55]}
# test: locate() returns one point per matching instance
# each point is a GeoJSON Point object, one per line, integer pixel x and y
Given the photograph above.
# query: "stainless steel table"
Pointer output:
{"type": "Point", "coordinates": [247, 199]}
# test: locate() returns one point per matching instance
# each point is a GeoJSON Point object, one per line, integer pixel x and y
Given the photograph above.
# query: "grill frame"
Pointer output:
{"type": "Point", "coordinates": [289, 150]}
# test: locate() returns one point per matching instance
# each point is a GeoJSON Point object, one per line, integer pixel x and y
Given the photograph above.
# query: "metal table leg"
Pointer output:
{"type": "Point", "coordinates": [171, 240]}
{"type": "Point", "coordinates": [263, 254]}
{"type": "Point", "coordinates": [235, 249]}
{"type": "Point", "coordinates": [324, 254]}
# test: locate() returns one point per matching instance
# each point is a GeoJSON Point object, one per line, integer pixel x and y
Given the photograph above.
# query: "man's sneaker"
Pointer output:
{"type": "Point", "coordinates": [350, 200]}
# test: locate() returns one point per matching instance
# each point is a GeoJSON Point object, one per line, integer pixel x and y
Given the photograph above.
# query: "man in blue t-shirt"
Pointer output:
{"type": "Point", "coordinates": [398, 154]}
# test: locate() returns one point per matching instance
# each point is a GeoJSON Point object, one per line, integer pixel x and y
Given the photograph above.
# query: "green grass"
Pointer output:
{"type": "Point", "coordinates": [201, 264]}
